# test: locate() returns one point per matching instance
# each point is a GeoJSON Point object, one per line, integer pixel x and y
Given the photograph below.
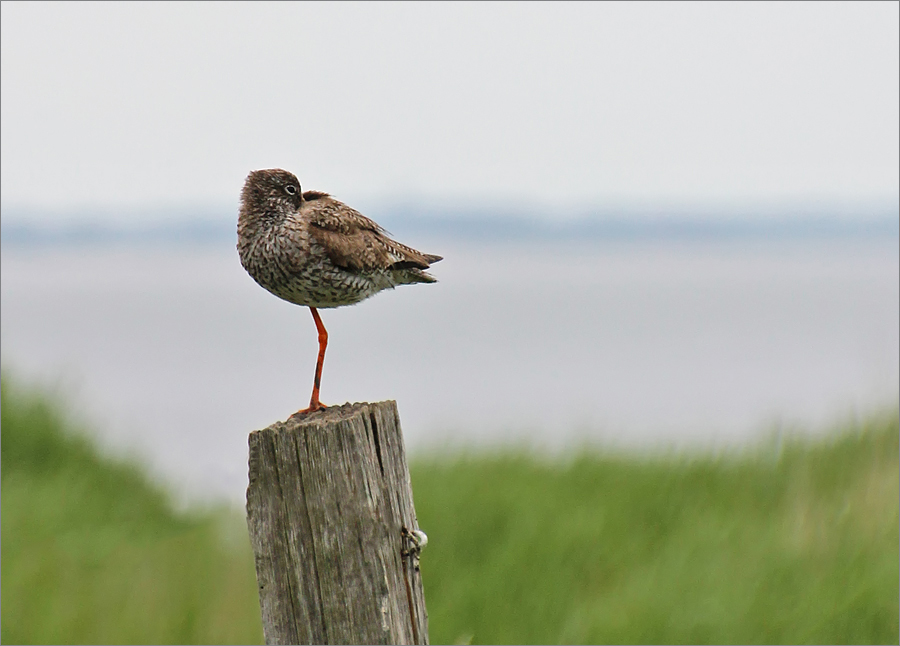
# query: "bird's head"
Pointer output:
{"type": "Point", "coordinates": [269, 195]}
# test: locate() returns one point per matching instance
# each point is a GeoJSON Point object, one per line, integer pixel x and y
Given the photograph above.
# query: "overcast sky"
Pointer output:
{"type": "Point", "coordinates": [118, 105]}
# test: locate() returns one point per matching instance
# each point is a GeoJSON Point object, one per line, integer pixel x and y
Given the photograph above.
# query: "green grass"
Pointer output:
{"type": "Point", "coordinates": [92, 553]}
{"type": "Point", "coordinates": [800, 547]}
{"type": "Point", "coordinates": [794, 546]}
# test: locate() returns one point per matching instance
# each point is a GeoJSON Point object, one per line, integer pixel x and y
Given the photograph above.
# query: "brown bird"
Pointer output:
{"type": "Point", "coordinates": [310, 249]}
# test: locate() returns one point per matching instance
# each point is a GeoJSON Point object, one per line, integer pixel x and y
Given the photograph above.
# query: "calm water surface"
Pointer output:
{"type": "Point", "coordinates": [176, 354]}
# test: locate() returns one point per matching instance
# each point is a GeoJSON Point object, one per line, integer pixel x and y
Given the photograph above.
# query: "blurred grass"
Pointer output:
{"type": "Point", "coordinates": [93, 553]}
{"type": "Point", "coordinates": [790, 544]}
{"type": "Point", "coordinates": [797, 545]}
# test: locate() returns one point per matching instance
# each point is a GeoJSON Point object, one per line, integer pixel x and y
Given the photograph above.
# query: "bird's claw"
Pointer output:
{"type": "Point", "coordinates": [308, 410]}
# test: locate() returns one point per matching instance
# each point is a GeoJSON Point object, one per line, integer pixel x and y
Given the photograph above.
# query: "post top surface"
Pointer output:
{"type": "Point", "coordinates": [331, 414]}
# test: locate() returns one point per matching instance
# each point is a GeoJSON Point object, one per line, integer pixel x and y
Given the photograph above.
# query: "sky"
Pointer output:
{"type": "Point", "coordinates": [118, 106]}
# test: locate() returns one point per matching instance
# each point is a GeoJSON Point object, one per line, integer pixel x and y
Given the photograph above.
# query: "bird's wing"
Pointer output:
{"type": "Point", "coordinates": [356, 243]}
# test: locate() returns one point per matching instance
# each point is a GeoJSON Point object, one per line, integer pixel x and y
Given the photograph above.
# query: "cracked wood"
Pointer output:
{"type": "Point", "coordinates": [329, 495]}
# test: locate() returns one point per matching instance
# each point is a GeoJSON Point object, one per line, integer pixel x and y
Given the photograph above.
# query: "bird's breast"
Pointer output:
{"type": "Point", "coordinates": [287, 262]}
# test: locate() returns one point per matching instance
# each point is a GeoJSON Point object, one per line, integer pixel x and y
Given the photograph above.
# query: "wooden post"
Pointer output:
{"type": "Point", "coordinates": [329, 508]}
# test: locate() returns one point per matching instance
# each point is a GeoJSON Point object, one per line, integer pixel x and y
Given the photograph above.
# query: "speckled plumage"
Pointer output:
{"type": "Point", "coordinates": [310, 249]}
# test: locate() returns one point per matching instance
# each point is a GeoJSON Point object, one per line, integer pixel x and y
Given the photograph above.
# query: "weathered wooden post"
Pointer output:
{"type": "Point", "coordinates": [330, 513]}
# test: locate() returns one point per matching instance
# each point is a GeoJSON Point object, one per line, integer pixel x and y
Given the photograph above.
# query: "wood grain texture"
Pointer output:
{"type": "Point", "coordinates": [328, 497]}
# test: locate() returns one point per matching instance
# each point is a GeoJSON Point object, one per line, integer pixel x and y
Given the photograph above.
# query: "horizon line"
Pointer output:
{"type": "Point", "coordinates": [201, 229]}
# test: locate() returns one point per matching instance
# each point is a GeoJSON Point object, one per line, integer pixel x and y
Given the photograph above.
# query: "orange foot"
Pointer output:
{"type": "Point", "coordinates": [313, 407]}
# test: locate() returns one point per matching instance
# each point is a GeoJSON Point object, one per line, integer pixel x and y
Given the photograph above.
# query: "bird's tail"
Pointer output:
{"type": "Point", "coordinates": [419, 276]}
{"type": "Point", "coordinates": [411, 269]}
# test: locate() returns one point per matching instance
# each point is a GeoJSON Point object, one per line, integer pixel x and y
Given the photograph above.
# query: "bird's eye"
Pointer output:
{"type": "Point", "coordinates": [290, 189]}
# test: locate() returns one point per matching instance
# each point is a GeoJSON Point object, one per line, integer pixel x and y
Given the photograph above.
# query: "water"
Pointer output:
{"type": "Point", "coordinates": [174, 353]}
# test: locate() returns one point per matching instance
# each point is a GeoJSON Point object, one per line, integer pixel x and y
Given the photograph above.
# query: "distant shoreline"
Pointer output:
{"type": "Point", "coordinates": [24, 229]}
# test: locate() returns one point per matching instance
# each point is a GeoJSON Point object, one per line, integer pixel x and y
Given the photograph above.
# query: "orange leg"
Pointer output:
{"type": "Point", "coordinates": [314, 403]}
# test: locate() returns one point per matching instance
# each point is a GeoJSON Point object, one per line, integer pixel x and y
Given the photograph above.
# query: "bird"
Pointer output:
{"type": "Point", "coordinates": [309, 249]}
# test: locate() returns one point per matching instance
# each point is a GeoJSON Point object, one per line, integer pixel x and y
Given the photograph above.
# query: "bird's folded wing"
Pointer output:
{"type": "Point", "coordinates": [355, 243]}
